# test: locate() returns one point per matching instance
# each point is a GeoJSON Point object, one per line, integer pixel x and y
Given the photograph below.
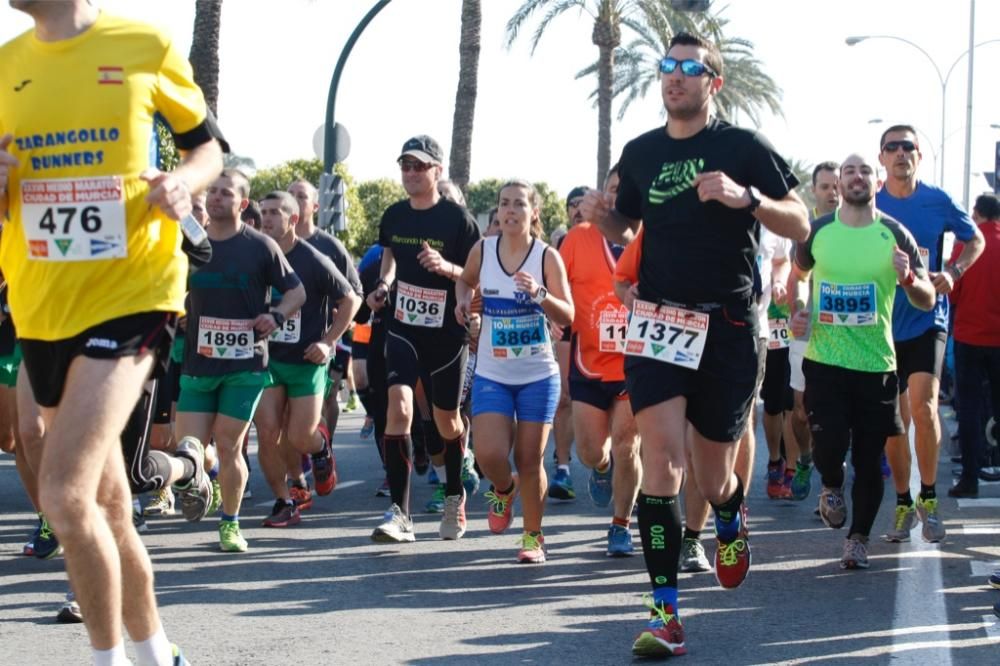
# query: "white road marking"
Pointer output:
{"type": "Point", "coordinates": [980, 503]}
{"type": "Point", "coordinates": [980, 530]}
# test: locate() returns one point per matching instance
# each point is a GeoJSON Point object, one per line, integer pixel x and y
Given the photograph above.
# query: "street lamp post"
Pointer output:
{"type": "Point", "coordinates": [942, 80]}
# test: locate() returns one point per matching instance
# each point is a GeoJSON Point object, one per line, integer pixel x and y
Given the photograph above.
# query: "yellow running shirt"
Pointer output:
{"type": "Point", "coordinates": [82, 246]}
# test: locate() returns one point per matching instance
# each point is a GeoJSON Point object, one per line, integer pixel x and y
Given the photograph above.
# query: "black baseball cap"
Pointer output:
{"type": "Point", "coordinates": [574, 193]}
{"type": "Point", "coordinates": [424, 148]}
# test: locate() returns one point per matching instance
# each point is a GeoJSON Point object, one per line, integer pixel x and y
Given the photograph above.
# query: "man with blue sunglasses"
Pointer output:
{"type": "Point", "coordinates": [702, 188]}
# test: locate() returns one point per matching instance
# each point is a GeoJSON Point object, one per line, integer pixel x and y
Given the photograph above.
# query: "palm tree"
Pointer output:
{"type": "Point", "coordinates": [460, 161]}
{"type": "Point", "coordinates": [204, 55]}
{"type": "Point", "coordinates": [609, 16]}
{"type": "Point", "coordinates": [747, 88]}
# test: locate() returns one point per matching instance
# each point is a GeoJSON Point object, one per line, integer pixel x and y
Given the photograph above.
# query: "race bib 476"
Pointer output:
{"type": "Point", "coordinates": [74, 219]}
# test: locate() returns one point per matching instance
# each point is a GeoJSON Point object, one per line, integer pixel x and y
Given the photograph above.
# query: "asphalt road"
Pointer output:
{"type": "Point", "coordinates": [323, 593]}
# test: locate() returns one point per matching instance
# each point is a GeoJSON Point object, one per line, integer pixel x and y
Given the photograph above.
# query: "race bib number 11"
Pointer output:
{"type": "Point", "coordinates": [74, 219]}
{"type": "Point", "coordinates": [668, 334]}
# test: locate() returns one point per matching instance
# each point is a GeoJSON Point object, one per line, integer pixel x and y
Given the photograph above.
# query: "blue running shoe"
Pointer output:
{"type": "Point", "coordinates": [561, 486]}
{"type": "Point", "coordinates": [28, 549]}
{"type": "Point", "coordinates": [801, 482]}
{"type": "Point", "coordinates": [436, 503]}
{"type": "Point", "coordinates": [432, 477]}
{"type": "Point", "coordinates": [599, 485]}
{"type": "Point", "coordinates": [620, 542]}
{"type": "Point", "coordinates": [46, 544]}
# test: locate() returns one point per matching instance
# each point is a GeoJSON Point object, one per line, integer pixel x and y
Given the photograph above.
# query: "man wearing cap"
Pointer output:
{"type": "Point", "coordinates": [561, 485]}
{"type": "Point", "coordinates": [425, 241]}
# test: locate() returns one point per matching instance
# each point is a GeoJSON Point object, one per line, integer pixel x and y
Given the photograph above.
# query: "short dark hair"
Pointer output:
{"type": "Point", "coordinates": [825, 166]}
{"type": "Point", "coordinates": [896, 128]}
{"type": "Point", "coordinates": [251, 215]}
{"type": "Point", "coordinates": [285, 200]}
{"type": "Point", "coordinates": [239, 179]}
{"type": "Point", "coordinates": [988, 206]}
{"type": "Point", "coordinates": [712, 56]}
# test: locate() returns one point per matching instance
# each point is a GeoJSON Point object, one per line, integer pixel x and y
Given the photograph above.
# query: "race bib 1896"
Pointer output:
{"type": "Point", "coordinates": [668, 334]}
{"type": "Point", "coordinates": [519, 337]}
{"type": "Point", "coordinates": [847, 304]}
{"type": "Point", "coordinates": [74, 219]}
{"type": "Point", "coordinates": [227, 339]}
{"type": "Point", "coordinates": [418, 306]}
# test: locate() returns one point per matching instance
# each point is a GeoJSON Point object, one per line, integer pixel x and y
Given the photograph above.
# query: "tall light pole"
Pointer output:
{"type": "Point", "coordinates": [942, 80]}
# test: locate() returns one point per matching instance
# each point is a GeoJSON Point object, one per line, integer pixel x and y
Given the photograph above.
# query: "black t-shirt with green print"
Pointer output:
{"type": "Point", "coordinates": [694, 251]}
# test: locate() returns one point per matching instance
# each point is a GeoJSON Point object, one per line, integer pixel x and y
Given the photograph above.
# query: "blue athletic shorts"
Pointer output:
{"type": "Point", "coordinates": [534, 403]}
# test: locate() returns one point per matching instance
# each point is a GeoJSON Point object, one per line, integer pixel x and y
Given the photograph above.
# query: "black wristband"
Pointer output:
{"type": "Point", "coordinates": [279, 318]}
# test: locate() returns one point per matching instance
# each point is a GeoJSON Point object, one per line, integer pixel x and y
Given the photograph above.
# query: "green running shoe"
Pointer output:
{"type": "Point", "coordinates": [230, 538]}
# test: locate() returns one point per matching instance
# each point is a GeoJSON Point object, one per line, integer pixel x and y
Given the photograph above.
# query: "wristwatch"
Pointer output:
{"type": "Point", "coordinates": [754, 195]}
{"type": "Point", "coordinates": [279, 318]}
{"type": "Point", "coordinates": [540, 296]}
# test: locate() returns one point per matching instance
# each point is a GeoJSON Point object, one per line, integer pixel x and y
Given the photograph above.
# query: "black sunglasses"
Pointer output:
{"type": "Point", "coordinates": [419, 167]}
{"type": "Point", "coordinates": [689, 67]}
{"type": "Point", "coordinates": [893, 146]}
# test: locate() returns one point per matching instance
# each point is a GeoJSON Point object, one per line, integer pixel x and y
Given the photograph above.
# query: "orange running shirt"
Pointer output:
{"type": "Point", "coordinates": [627, 269]}
{"type": "Point", "coordinates": [600, 320]}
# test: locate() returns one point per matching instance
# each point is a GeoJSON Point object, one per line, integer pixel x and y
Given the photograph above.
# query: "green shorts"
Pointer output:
{"type": "Point", "coordinates": [299, 380]}
{"type": "Point", "coordinates": [9, 366]}
{"type": "Point", "coordinates": [235, 394]}
{"type": "Point", "coordinates": [177, 349]}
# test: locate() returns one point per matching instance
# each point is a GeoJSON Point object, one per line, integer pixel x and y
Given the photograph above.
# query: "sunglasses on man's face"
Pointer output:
{"type": "Point", "coordinates": [893, 146]}
{"type": "Point", "coordinates": [689, 67]}
{"type": "Point", "coordinates": [419, 167]}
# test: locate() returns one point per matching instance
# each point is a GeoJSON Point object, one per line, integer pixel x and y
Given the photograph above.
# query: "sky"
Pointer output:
{"type": "Point", "coordinates": [535, 121]}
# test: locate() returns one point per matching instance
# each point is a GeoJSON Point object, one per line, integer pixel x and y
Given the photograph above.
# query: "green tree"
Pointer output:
{"type": "Point", "coordinates": [374, 196]}
{"type": "Point", "coordinates": [167, 156]}
{"type": "Point", "coordinates": [747, 88]}
{"type": "Point", "coordinates": [460, 160]}
{"type": "Point", "coordinates": [482, 196]}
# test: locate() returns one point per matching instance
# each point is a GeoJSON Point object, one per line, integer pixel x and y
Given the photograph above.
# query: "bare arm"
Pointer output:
{"type": "Point", "coordinates": [919, 291]}
{"type": "Point", "coordinates": [171, 191]}
{"type": "Point", "coordinates": [558, 304]}
{"type": "Point", "coordinates": [387, 274]}
{"type": "Point", "coordinates": [599, 208]}
{"type": "Point", "coordinates": [466, 284]}
{"type": "Point", "coordinates": [786, 217]}
{"type": "Point", "coordinates": [944, 281]}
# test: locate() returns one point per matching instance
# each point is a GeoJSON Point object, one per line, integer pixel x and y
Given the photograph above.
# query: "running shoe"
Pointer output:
{"type": "Point", "coordinates": [162, 503]}
{"type": "Point", "coordinates": [775, 478]}
{"type": "Point", "coordinates": [302, 497]}
{"type": "Point", "coordinates": [855, 554]}
{"type": "Point", "coordinates": [436, 503]}
{"type": "Point", "coordinates": [422, 462]}
{"type": "Point", "coordinates": [230, 538]}
{"type": "Point", "coordinates": [216, 497]}
{"type": "Point", "coordinates": [963, 488]}
{"type": "Point", "coordinates": [994, 579]}
{"type": "Point", "coordinates": [693, 557]}
{"type": "Point", "coordinates": [663, 635]}
{"type": "Point", "coordinates": [599, 485]}
{"type": "Point", "coordinates": [832, 509]}
{"type": "Point", "coordinates": [886, 470]}
{"type": "Point", "coordinates": [178, 656]}
{"type": "Point", "coordinates": [561, 486]}
{"type": "Point", "coordinates": [395, 528]}
{"type": "Point", "coordinates": [69, 612]}
{"type": "Point", "coordinates": [46, 544]}
{"type": "Point", "coordinates": [470, 479]}
{"type": "Point", "coordinates": [352, 403]}
{"type": "Point", "coordinates": [927, 512]}
{"type": "Point", "coordinates": [138, 522]}
{"type": "Point", "coordinates": [500, 508]}
{"type": "Point", "coordinates": [368, 429]}
{"type": "Point", "coordinates": [620, 542]}
{"type": "Point", "coordinates": [283, 515]}
{"type": "Point", "coordinates": [801, 482]}
{"type": "Point", "coordinates": [732, 558]}
{"type": "Point", "coordinates": [324, 464]}
{"type": "Point", "coordinates": [532, 548]}
{"type": "Point", "coordinates": [28, 549]}
{"type": "Point", "coordinates": [453, 521]}
{"type": "Point", "coordinates": [432, 475]}
{"type": "Point", "coordinates": [196, 494]}
{"type": "Point", "coordinates": [903, 522]}
{"type": "Point", "coordinates": [383, 490]}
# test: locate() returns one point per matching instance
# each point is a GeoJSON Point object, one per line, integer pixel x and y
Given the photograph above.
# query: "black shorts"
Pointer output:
{"type": "Point", "coordinates": [775, 391]}
{"type": "Point", "coordinates": [341, 359]}
{"type": "Point", "coordinates": [839, 401]}
{"type": "Point", "coordinates": [359, 351]}
{"type": "Point", "coordinates": [47, 362]}
{"type": "Point", "coordinates": [601, 395]}
{"type": "Point", "coordinates": [168, 389]}
{"type": "Point", "coordinates": [924, 353]}
{"type": "Point", "coordinates": [439, 360]}
{"type": "Point", "coordinates": [720, 393]}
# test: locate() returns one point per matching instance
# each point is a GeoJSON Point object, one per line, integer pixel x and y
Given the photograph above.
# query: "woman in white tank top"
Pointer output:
{"type": "Point", "coordinates": [523, 283]}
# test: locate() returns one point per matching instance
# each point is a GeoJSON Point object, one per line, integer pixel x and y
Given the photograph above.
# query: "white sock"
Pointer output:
{"type": "Point", "coordinates": [565, 468]}
{"type": "Point", "coordinates": [155, 650]}
{"type": "Point", "coordinates": [441, 472]}
{"type": "Point", "coordinates": [113, 657]}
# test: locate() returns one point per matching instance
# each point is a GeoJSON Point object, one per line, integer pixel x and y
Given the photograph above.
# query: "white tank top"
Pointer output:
{"type": "Point", "coordinates": [514, 345]}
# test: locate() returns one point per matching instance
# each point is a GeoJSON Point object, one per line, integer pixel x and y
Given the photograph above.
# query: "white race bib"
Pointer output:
{"type": "Point", "coordinates": [418, 306]}
{"type": "Point", "coordinates": [780, 334]}
{"type": "Point", "coordinates": [668, 334]}
{"type": "Point", "coordinates": [226, 339]}
{"type": "Point", "coordinates": [74, 219]}
{"type": "Point", "coordinates": [613, 325]}
{"type": "Point", "coordinates": [290, 331]}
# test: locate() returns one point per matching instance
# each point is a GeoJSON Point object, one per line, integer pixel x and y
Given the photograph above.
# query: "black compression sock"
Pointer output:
{"type": "Point", "coordinates": [660, 530]}
{"type": "Point", "coordinates": [398, 463]}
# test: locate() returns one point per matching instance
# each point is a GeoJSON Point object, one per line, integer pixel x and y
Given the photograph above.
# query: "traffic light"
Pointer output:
{"type": "Point", "coordinates": [332, 202]}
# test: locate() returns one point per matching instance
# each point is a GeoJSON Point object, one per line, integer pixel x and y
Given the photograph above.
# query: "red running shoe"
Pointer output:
{"type": "Point", "coordinates": [325, 468]}
{"type": "Point", "coordinates": [732, 558]}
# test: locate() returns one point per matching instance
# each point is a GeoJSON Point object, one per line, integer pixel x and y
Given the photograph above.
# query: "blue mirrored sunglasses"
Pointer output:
{"type": "Point", "coordinates": [689, 67]}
